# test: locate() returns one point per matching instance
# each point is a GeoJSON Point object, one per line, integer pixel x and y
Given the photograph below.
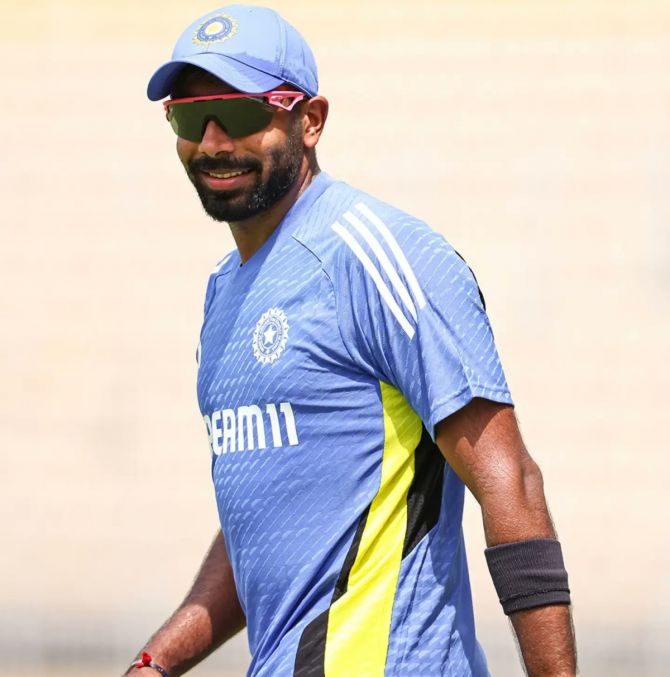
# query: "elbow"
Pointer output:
{"type": "Point", "coordinates": [516, 481]}
{"type": "Point", "coordinates": [531, 481]}
{"type": "Point", "coordinates": [517, 508]}
{"type": "Point", "coordinates": [533, 511]}
{"type": "Point", "coordinates": [530, 498]}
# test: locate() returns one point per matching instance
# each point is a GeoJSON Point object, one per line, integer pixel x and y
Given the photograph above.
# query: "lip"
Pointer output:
{"type": "Point", "coordinates": [225, 184]}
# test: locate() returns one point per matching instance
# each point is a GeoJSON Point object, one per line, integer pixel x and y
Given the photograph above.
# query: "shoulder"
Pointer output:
{"type": "Point", "coordinates": [380, 258]}
{"type": "Point", "coordinates": [351, 228]}
{"type": "Point", "coordinates": [223, 267]}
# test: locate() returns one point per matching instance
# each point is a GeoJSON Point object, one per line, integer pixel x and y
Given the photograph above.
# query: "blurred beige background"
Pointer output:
{"type": "Point", "coordinates": [534, 134]}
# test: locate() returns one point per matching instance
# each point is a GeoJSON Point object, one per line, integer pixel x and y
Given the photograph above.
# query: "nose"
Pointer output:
{"type": "Point", "coordinates": [215, 140]}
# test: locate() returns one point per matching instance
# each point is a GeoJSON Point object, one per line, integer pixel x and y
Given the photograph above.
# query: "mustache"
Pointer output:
{"type": "Point", "coordinates": [221, 164]}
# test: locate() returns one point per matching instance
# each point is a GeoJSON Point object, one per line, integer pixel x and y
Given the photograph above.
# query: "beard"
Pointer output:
{"type": "Point", "coordinates": [240, 204]}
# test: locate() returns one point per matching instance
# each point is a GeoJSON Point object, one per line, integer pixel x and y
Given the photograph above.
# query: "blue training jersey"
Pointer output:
{"type": "Point", "coordinates": [326, 360]}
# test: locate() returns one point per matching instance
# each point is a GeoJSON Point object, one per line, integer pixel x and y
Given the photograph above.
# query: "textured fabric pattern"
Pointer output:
{"type": "Point", "coordinates": [348, 294]}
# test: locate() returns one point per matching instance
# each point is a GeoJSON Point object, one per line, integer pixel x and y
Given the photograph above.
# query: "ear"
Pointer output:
{"type": "Point", "coordinates": [315, 113]}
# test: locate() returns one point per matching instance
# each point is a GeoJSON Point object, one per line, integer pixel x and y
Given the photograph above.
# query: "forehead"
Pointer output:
{"type": "Point", "coordinates": [193, 81]}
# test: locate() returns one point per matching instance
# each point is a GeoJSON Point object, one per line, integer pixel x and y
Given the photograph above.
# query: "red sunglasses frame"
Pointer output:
{"type": "Point", "coordinates": [275, 98]}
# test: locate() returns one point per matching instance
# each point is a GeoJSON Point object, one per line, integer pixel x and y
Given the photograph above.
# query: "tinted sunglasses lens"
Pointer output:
{"type": "Point", "coordinates": [238, 117]}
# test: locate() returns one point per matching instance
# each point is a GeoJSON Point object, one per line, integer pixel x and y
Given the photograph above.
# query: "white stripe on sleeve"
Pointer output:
{"type": "Point", "coordinates": [384, 260]}
{"type": "Point", "coordinates": [397, 252]}
{"type": "Point", "coordinates": [384, 291]}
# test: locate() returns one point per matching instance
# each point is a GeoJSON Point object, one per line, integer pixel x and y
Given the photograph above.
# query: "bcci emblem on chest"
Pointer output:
{"type": "Point", "coordinates": [270, 336]}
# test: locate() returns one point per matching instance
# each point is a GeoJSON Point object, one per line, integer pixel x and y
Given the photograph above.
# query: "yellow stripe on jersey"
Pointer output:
{"type": "Point", "coordinates": [359, 622]}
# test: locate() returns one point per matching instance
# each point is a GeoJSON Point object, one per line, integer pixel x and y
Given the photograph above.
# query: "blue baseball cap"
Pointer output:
{"type": "Point", "coordinates": [250, 48]}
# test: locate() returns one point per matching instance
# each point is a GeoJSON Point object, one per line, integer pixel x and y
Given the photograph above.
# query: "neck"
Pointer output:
{"type": "Point", "coordinates": [251, 234]}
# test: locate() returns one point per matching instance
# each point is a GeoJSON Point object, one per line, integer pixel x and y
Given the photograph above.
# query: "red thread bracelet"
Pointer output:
{"type": "Point", "coordinates": [146, 661]}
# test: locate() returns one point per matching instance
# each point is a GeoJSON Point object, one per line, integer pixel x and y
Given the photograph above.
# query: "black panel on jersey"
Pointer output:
{"type": "Point", "coordinates": [424, 498]}
{"type": "Point", "coordinates": [310, 657]}
{"type": "Point", "coordinates": [343, 580]}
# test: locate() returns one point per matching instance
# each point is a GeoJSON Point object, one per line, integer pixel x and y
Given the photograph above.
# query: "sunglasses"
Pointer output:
{"type": "Point", "coordinates": [238, 114]}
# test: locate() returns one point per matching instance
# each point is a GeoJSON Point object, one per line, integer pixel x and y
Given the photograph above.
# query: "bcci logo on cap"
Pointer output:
{"type": "Point", "coordinates": [215, 29]}
{"type": "Point", "coordinates": [270, 336]}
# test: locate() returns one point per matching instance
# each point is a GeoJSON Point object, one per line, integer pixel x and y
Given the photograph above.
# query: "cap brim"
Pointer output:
{"type": "Point", "coordinates": [238, 75]}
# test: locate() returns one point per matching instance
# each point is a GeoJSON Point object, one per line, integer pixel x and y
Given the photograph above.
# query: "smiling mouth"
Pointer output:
{"type": "Point", "coordinates": [227, 175]}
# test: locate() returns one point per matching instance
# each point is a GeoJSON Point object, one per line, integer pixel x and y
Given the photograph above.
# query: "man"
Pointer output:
{"type": "Point", "coordinates": [350, 388]}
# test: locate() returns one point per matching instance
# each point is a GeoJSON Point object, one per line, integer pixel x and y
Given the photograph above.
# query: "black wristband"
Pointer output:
{"type": "Point", "coordinates": [528, 574]}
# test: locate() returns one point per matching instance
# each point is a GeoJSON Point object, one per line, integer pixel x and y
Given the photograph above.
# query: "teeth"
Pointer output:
{"type": "Point", "coordinates": [227, 175]}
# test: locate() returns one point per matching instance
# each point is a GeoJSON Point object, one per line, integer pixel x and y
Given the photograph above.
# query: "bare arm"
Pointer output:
{"type": "Point", "coordinates": [209, 615]}
{"type": "Point", "coordinates": [483, 445]}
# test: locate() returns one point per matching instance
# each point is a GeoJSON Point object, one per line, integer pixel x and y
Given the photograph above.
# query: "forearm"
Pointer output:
{"type": "Point", "coordinates": [546, 640]}
{"type": "Point", "coordinates": [184, 640]}
{"type": "Point", "coordinates": [514, 507]}
{"type": "Point", "coordinates": [209, 615]}
{"type": "Point", "coordinates": [483, 445]}
{"type": "Point", "coordinates": [544, 633]}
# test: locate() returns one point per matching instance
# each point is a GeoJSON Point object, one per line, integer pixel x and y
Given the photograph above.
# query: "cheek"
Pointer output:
{"type": "Point", "coordinates": [272, 144]}
{"type": "Point", "coordinates": [186, 150]}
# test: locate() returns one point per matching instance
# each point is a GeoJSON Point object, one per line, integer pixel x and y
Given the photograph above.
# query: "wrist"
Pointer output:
{"type": "Point", "coordinates": [146, 661]}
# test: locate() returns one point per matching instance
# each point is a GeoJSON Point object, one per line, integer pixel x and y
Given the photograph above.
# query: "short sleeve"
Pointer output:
{"type": "Point", "coordinates": [412, 315]}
